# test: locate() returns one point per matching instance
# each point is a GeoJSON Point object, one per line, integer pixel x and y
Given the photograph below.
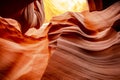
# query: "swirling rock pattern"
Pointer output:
{"type": "Point", "coordinates": [83, 45]}
{"type": "Point", "coordinates": [23, 57]}
{"type": "Point", "coordinates": [83, 50]}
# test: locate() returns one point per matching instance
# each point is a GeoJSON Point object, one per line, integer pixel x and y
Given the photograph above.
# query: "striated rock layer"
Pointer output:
{"type": "Point", "coordinates": [85, 46]}
{"type": "Point", "coordinates": [23, 57]}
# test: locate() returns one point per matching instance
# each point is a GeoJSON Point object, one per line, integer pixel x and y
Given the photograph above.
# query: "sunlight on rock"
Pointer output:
{"type": "Point", "coordinates": [57, 7]}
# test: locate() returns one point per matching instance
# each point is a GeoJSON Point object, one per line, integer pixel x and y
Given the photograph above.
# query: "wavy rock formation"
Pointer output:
{"type": "Point", "coordinates": [85, 46]}
{"type": "Point", "coordinates": [23, 57]}
{"type": "Point", "coordinates": [82, 45]}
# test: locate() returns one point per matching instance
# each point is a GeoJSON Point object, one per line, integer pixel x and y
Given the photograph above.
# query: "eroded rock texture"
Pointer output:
{"type": "Point", "coordinates": [23, 57]}
{"type": "Point", "coordinates": [85, 46]}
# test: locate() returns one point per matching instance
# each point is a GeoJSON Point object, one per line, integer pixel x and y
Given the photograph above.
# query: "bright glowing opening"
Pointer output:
{"type": "Point", "coordinates": [57, 7]}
